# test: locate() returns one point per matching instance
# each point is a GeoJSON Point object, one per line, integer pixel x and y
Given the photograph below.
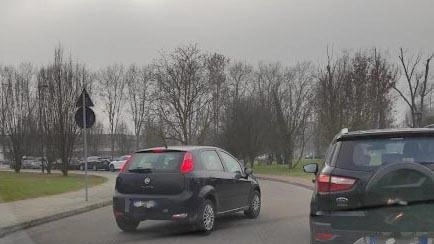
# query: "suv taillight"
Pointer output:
{"type": "Point", "coordinates": [124, 166]}
{"type": "Point", "coordinates": [331, 183]}
{"type": "Point", "coordinates": [187, 164]}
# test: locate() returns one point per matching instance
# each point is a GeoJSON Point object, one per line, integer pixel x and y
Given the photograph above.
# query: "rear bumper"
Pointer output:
{"type": "Point", "coordinates": [350, 226]}
{"type": "Point", "coordinates": [180, 207]}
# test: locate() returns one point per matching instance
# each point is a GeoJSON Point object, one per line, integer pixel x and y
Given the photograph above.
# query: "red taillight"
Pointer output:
{"type": "Point", "coordinates": [125, 165]}
{"type": "Point", "coordinates": [324, 236]}
{"type": "Point", "coordinates": [327, 183]}
{"type": "Point", "coordinates": [187, 164]}
{"type": "Point", "coordinates": [118, 214]}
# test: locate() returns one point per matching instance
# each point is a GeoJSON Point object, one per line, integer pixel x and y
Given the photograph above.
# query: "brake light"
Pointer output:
{"type": "Point", "coordinates": [327, 183]}
{"type": "Point", "coordinates": [187, 164]}
{"type": "Point", "coordinates": [324, 236]}
{"type": "Point", "coordinates": [124, 166]}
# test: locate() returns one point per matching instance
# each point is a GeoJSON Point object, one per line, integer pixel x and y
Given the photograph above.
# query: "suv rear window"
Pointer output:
{"type": "Point", "coordinates": [371, 153]}
{"type": "Point", "coordinates": [164, 161]}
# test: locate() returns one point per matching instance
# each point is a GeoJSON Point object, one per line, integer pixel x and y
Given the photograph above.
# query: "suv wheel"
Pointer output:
{"type": "Point", "coordinates": [206, 217]}
{"type": "Point", "coordinates": [254, 206]}
{"type": "Point", "coordinates": [127, 224]}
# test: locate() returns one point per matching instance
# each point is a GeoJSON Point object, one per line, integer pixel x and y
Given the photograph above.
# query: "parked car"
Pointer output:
{"type": "Point", "coordinates": [31, 163]}
{"type": "Point", "coordinates": [74, 164]}
{"type": "Point", "coordinates": [118, 162]}
{"type": "Point", "coordinates": [36, 164]}
{"type": "Point", "coordinates": [4, 164]}
{"type": "Point", "coordinates": [194, 184]}
{"type": "Point", "coordinates": [96, 163]}
{"type": "Point", "coordinates": [374, 185]}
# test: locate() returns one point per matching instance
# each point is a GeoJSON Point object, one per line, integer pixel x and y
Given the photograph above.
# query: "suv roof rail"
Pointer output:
{"type": "Point", "coordinates": [342, 132]}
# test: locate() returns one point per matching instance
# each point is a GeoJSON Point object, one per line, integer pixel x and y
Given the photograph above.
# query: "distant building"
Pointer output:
{"type": "Point", "coordinates": [99, 145]}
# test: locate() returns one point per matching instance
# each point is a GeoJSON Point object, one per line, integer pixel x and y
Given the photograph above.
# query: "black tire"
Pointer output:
{"type": "Point", "coordinates": [254, 206]}
{"type": "Point", "coordinates": [127, 224]}
{"type": "Point", "coordinates": [206, 217]}
{"type": "Point", "coordinates": [112, 168]}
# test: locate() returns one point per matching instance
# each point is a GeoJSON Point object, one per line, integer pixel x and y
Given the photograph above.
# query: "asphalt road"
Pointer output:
{"type": "Point", "coordinates": [283, 219]}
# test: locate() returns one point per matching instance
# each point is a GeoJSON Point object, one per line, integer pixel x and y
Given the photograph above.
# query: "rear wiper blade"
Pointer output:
{"type": "Point", "coordinates": [397, 204]}
{"type": "Point", "coordinates": [140, 170]}
{"type": "Point", "coordinates": [426, 162]}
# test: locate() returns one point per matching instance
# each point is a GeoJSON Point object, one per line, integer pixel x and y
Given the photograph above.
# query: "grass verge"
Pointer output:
{"type": "Point", "coordinates": [284, 170]}
{"type": "Point", "coordinates": [30, 185]}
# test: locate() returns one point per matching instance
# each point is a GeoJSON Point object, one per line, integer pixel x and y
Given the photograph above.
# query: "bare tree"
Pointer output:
{"type": "Point", "coordinates": [95, 138]}
{"type": "Point", "coordinates": [239, 77]}
{"type": "Point", "coordinates": [246, 126]}
{"type": "Point", "coordinates": [183, 94]}
{"type": "Point", "coordinates": [18, 113]}
{"type": "Point", "coordinates": [216, 65]}
{"type": "Point", "coordinates": [123, 139]}
{"type": "Point", "coordinates": [417, 85]}
{"type": "Point", "coordinates": [64, 79]}
{"type": "Point", "coordinates": [291, 98]}
{"type": "Point", "coordinates": [354, 91]}
{"type": "Point", "coordinates": [111, 84]}
{"type": "Point", "coordinates": [3, 102]}
{"type": "Point", "coordinates": [139, 86]}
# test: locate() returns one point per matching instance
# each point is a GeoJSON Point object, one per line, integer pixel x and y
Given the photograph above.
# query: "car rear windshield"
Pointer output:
{"type": "Point", "coordinates": [162, 161]}
{"type": "Point", "coordinates": [368, 154]}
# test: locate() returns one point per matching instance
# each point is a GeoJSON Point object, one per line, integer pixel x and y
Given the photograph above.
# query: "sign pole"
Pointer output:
{"type": "Point", "coordinates": [84, 119]}
{"type": "Point", "coordinates": [85, 144]}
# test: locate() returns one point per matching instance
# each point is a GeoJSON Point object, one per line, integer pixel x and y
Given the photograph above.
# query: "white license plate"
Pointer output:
{"type": "Point", "coordinates": [144, 204]}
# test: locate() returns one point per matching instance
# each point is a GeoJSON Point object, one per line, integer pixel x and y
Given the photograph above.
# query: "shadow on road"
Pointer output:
{"type": "Point", "coordinates": [181, 229]}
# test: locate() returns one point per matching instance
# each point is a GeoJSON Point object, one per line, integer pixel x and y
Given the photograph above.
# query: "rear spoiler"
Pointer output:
{"type": "Point", "coordinates": [159, 150]}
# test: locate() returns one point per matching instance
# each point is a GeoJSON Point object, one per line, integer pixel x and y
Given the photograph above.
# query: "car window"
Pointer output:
{"type": "Point", "coordinates": [167, 161]}
{"type": "Point", "coordinates": [125, 158]}
{"type": "Point", "coordinates": [371, 153]}
{"type": "Point", "coordinates": [329, 154]}
{"type": "Point", "coordinates": [211, 161]}
{"type": "Point", "coordinates": [230, 163]}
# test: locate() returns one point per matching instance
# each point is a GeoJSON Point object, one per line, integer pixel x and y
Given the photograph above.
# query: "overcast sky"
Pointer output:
{"type": "Point", "coordinates": [101, 32]}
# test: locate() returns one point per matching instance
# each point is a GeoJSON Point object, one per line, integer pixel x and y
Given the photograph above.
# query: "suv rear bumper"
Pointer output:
{"type": "Point", "coordinates": [182, 207]}
{"type": "Point", "coordinates": [350, 226]}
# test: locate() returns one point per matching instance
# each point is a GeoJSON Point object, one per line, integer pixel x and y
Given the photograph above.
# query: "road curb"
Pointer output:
{"type": "Point", "coordinates": [309, 187]}
{"type": "Point", "coordinates": [21, 226]}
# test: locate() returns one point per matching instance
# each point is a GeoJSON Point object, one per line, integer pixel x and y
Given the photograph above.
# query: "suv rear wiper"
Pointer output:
{"type": "Point", "coordinates": [397, 204]}
{"type": "Point", "coordinates": [140, 170]}
{"type": "Point", "coordinates": [425, 162]}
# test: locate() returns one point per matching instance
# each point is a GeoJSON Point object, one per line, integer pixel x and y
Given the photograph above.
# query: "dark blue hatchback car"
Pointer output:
{"type": "Point", "coordinates": [191, 183]}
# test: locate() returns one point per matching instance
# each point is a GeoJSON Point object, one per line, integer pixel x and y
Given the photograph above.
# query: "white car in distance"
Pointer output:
{"type": "Point", "coordinates": [117, 163]}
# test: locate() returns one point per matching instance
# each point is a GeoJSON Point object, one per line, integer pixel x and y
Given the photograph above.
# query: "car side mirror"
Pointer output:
{"type": "Point", "coordinates": [238, 175]}
{"type": "Point", "coordinates": [248, 171]}
{"type": "Point", "coordinates": [311, 168]}
{"type": "Point", "coordinates": [242, 162]}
